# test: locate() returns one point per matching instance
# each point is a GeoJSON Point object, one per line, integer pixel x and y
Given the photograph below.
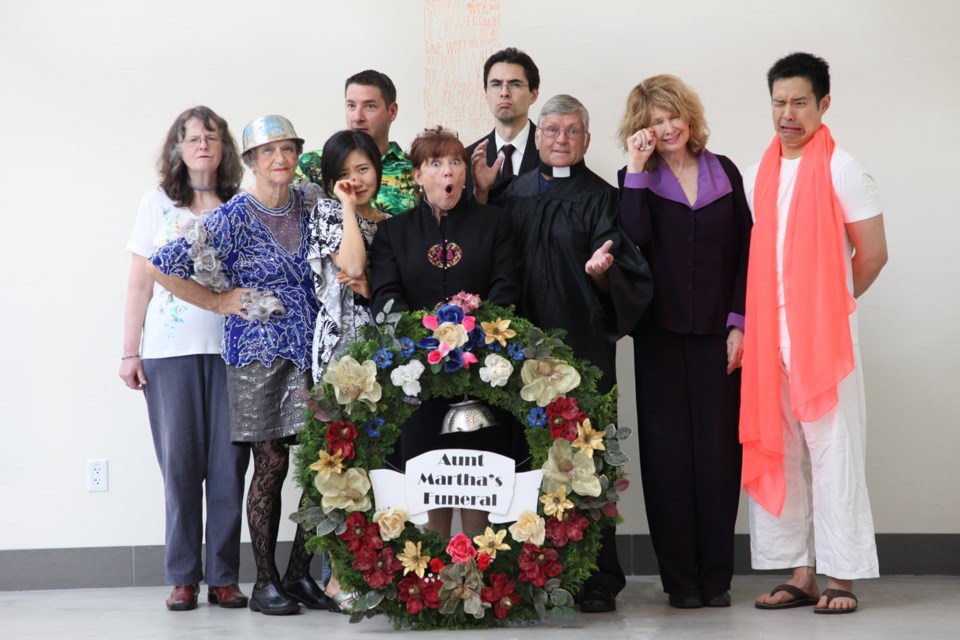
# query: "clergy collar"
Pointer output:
{"type": "Point", "coordinates": [712, 182]}
{"type": "Point", "coordinates": [519, 141]}
{"type": "Point", "coordinates": [563, 172]}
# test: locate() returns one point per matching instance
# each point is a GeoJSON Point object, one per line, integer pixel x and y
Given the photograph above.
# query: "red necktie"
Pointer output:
{"type": "Point", "coordinates": [507, 168]}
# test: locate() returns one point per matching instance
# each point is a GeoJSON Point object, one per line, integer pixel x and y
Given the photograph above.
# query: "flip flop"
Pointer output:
{"type": "Point", "coordinates": [800, 598]}
{"type": "Point", "coordinates": [837, 593]}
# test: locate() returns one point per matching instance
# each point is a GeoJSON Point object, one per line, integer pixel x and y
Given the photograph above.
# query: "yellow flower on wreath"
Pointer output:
{"type": "Point", "coordinates": [555, 502]}
{"type": "Point", "coordinates": [412, 559]}
{"type": "Point", "coordinates": [497, 331]}
{"type": "Point", "coordinates": [546, 380]}
{"type": "Point", "coordinates": [588, 439]}
{"type": "Point", "coordinates": [491, 542]}
{"type": "Point", "coordinates": [328, 464]}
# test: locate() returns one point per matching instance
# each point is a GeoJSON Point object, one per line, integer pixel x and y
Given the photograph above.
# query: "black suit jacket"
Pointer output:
{"type": "Point", "coordinates": [531, 160]}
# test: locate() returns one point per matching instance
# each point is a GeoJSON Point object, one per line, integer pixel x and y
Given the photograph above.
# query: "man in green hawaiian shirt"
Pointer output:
{"type": "Point", "coordinates": [371, 105]}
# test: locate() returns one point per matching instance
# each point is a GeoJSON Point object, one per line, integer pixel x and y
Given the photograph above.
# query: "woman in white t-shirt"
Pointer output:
{"type": "Point", "coordinates": [171, 352]}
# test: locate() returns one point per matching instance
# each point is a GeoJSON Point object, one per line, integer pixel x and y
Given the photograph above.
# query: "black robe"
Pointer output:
{"type": "Point", "coordinates": [557, 233]}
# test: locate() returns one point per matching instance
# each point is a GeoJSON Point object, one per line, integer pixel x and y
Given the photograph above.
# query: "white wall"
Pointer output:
{"type": "Point", "coordinates": [89, 88]}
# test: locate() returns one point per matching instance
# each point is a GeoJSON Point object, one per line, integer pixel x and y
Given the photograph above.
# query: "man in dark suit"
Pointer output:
{"type": "Point", "coordinates": [511, 84]}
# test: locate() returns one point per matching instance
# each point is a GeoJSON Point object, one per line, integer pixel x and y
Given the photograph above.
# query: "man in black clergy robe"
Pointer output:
{"type": "Point", "coordinates": [579, 271]}
{"type": "Point", "coordinates": [511, 83]}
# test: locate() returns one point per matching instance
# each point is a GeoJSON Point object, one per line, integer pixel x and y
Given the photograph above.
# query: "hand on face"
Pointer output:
{"type": "Point", "coordinates": [345, 192]}
{"type": "Point", "coordinates": [640, 146]}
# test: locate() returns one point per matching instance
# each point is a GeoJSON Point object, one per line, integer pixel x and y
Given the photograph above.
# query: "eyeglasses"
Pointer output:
{"type": "Point", "coordinates": [552, 131]}
{"type": "Point", "coordinates": [511, 85]}
{"type": "Point", "coordinates": [195, 141]}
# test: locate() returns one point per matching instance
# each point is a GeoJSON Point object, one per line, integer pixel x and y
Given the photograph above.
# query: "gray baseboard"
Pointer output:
{"type": "Point", "coordinates": [100, 567]}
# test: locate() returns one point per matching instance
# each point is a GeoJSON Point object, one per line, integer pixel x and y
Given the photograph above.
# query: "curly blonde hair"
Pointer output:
{"type": "Point", "coordinates": [669, 93]}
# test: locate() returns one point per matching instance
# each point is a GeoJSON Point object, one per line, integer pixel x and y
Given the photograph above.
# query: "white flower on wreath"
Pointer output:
{"type": "Point", "coordinates": [407, 377]}
{"type": "Point", "coordinates": [353, 381]}
{"type": "Point", "coordinates": [546, 380]}
{"type": "Point", "coordinates": [349, 491]}
{"type": "Point", "coordinates": [452, 335]}
{"type": "Point", "coordinates": [529, 527]}
{"type": "Point", "coordinates": [570, 468]}
{"type": "Point", "coordinates": [391, 521]}
{"type": "Point", "coordinates": [496, 370]}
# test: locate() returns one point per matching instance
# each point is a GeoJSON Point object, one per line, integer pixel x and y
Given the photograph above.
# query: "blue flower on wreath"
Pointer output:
{"type": "Point", "coordinates": [428, 343]}
{"type": "Point", "coordinates": [495, 346]}
{"type": "Point", "coordinates": [537, 417]}
{"type": "Point", "coordinates": [450, 313]}
{"type": "Point", "coordinates": [373, 425]}
{"type": "Point", "coordinates": [475, 338]}
{"type": "Point", "coordinates": [453, 361]}
{"type": "Point", "coordinates": [383, 358]}
{"type": "Point", "coordinates": [406, 347]}
{"type": "Point", "coordinates": [515, 349]}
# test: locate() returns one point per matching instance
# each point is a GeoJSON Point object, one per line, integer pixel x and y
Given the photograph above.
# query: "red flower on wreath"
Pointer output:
{"type": "Point", "coordinates": [483, 561]}
{"type": "Point", "coordinates": [563, 414]}
{"type": "Point", "coordinates": [501, 594]}
{"type": "Point", "coordinates": [361, 534]}
{"type": "Point", "coordinates": [436, 564]}
{"type": "Point", "coordinates": [538, 565]}
{"type": "Point", "coordinates": [461, 549]}
{"type": "Point", "coordinates": [569, 528]}
{"type": "Point", "coordinates": [417, 593]}
{"type": "Point", "coordinates": [340, 437]}
{"type": "Point", "coordinates": [377, 568]}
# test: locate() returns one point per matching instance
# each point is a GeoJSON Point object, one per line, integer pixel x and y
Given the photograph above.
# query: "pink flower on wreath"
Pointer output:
{"type": "Point", "coordinates": [431, 322]}
{"type": "Point", "coordinates": [468, 359]}
{"type": "Point", "coordinates": [466, 301]}
{"type": "Point", "coordinates": [461, 549]}
{"type": "Point", "coordinates": [434, 357]}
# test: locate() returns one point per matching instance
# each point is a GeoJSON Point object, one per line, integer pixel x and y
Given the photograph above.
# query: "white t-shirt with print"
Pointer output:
{"type": "Point", "coordinates": [172, 327]}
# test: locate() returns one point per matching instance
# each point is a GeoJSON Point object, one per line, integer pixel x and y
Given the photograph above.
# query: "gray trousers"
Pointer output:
{"type": "Point", "coordinates": [190, 420]}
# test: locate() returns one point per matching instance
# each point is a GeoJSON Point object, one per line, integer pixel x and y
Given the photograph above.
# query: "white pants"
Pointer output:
{"type": "Point", "coordinates": [826, 521]}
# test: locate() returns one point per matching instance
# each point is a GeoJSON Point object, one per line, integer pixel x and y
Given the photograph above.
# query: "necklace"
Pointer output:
{"type": "Point", "coordinates": [197, 187]}
{"type": "Point", "coordinates": [277, 212]}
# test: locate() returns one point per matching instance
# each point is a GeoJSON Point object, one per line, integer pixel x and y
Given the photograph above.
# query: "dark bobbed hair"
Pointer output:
{"type": "Point", "coordinates": [436, 143]}
{"type": "Point", "coordinates": [372, 78]}
{"type": "Point", "coordinates": [249, 156]}
{"type": "Point", "coordinates": [174, 173]}
{"type": "Point", "coordinates": [512, 55]}
{"type": "Point", "coordinates": [335, 152]}
{"type": "Point", "coordinates": [802, 65]}
{"type": "Point", "coordinates": [671, 94]}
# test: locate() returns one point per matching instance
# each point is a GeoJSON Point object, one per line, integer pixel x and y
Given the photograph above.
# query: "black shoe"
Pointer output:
{"type": "Point", "coordinates": [307, 592]}
{"type": "Point", "coordinates": [597, 600]}
{"type": "Point", "coordinates": [686, 599]}
{"type": "Point", "coordinates": [270, 600]}
{"type": "Point", "coordinates": [713, 597]}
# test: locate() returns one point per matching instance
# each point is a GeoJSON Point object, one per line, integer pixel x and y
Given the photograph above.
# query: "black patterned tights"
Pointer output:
{"type": "Point", "coordinates": [271, 459]}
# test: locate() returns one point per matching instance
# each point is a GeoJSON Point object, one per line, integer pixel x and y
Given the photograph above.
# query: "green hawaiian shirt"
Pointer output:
{"type": "Point", "coordinates": [398, 191]}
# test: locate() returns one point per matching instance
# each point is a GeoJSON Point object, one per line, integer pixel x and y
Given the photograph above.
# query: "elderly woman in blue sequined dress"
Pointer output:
{"type": "Point", "coordinates": [248, 260]}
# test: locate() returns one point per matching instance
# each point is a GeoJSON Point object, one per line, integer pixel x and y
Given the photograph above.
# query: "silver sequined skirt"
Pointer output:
{"type": "Point", "coordinates": [265, 402]}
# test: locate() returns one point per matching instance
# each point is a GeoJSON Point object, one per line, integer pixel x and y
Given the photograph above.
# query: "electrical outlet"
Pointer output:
{"type": "Point", "coordinates": [97, 477]}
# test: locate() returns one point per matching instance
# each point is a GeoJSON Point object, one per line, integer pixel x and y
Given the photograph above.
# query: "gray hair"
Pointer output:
{"type": "Point", "coordinates": [563, 104]}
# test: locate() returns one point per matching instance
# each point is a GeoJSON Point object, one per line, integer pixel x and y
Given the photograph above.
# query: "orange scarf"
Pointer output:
{"type": "Point", "coordinates": [818, 305]}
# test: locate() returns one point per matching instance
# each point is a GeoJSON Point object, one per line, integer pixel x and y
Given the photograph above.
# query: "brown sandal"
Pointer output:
{"type": "Point", "coordinates": [800, 598]}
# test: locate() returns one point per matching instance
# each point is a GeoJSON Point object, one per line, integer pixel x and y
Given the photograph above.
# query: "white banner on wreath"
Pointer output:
{"type": "Point", "coordinates": [458, 478]}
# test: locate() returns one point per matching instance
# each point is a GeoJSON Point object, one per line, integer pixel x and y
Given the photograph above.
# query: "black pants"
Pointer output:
{"type": "Point", "coordinates": [688, 412]}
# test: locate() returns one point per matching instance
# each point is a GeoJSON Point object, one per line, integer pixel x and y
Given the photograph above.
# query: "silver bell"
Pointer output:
{"type": "Point", "coordinates": [470, 415]}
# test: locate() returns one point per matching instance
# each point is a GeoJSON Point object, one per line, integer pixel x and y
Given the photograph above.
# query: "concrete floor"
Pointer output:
{"type": "Point", "coordinates": [915, 608]}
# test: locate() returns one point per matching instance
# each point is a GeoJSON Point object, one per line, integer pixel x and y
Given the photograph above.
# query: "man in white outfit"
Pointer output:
{"type": "Point", "coordinates": [803, 420]}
